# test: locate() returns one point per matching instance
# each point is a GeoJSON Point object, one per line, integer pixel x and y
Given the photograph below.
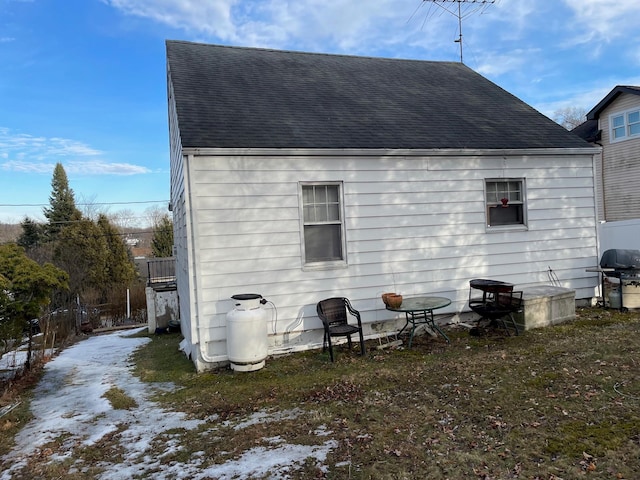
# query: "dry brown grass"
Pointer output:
{"type": "Point", "coordinates": [556, 403]}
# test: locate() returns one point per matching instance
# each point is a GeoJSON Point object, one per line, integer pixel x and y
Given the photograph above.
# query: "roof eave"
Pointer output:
{"type": "Point", "coordinates": [448, 152]}
{"type": "Point", "coordinates": [594, 113]}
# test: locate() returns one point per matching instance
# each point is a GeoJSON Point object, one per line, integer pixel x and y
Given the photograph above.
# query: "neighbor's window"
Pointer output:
{"type": "Point", "coordinates": [323, 225]}
{"type": "Point", "coordinates": [625, 125]}
{"type": "Point", "coordinates": [505, 202]}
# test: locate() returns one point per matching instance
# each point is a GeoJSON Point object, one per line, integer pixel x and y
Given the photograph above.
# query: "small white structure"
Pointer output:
{"type": "Point", "coordinates": [306, 176]}
{"type": "Point", "coordinates": [162, 308]}
{"type": "Point", "coordinates": [546, 305]}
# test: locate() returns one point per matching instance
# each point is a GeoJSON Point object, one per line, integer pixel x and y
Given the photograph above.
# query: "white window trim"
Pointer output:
{"type": "Point", "coordinates": [506, 228]}
{"type": "Point", "coordinates": [327, 265]}
{"type": "Point", "coordinates": [625, 116]}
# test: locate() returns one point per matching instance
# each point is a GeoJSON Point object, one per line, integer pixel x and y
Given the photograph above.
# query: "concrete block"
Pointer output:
{"type": "Point", "coordinates": [545, 305]}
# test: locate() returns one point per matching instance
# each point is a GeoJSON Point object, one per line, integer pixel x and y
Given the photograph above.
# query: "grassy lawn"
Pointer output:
{"type": "Point", "coordinates": [553, 403]}
{"type": "Point", "coordinates": [556, 403]}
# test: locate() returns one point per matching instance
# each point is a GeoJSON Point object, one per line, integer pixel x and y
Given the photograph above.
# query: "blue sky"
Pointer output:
{"type": "Point", "coordinates": [82, 82]}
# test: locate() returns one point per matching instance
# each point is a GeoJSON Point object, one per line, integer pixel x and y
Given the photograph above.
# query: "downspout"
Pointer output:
{"type": "Point", "coordinates": [594, 161]}
{"type": "Point", "coordinates": [594, 166]}
{"type": "Point", "coordinates": [604, 196]}
{"type": "Point", "coordinates": [193, 268]}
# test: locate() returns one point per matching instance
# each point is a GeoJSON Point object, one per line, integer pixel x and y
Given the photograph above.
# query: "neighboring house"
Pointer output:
{"type": "Point", "coordinates": [614, 124]}
{"type": "Point", "coordinates": [302, 176]}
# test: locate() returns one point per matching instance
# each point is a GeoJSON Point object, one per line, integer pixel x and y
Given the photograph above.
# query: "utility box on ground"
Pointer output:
{"type": "Point", "coordinates": [546, 305]}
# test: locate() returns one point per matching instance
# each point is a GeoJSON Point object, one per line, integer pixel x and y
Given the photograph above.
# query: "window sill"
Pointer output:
{"type": "Point", "coordinates": [506, 228]}
{"type": "Point", "coordinates": [311, 267]}
{"type": "Point", "coordinates": [623, 139]}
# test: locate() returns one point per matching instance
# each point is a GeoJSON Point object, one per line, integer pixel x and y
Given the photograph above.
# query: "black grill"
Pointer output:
{"type": "Point", "coordinates": [619, 259]}
{"type": "Point", "coordinates": [625, 265]}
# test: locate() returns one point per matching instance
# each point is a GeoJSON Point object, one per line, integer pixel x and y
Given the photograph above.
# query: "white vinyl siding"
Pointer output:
{"type": "Point", "coordinates": [413, 224]}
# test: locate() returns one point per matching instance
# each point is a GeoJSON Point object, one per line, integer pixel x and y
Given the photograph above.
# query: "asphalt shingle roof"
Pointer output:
{"type": "Point", "coordinates": [588, 130]}
{"type": "Point", "coordinates": [233, 97]}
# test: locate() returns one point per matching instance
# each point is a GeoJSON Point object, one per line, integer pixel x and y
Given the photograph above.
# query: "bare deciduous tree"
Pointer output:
{"type": "Point", "coordinates": [155, 214]}
{"type": "Point", "coordinates": [570, 117]}
{"type": "Point", "coordinates": [124, 219]}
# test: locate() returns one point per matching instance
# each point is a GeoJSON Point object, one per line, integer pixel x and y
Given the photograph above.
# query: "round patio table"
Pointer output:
{"type": "Point", "coordinates": [419, 310]}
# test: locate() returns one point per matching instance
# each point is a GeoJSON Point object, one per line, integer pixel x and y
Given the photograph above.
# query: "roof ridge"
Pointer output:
{"type": "Point", "coordinates": [319, 54]}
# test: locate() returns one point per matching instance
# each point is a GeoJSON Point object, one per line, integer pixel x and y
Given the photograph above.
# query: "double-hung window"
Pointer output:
{"type": "Point", "coordinates": [625, 125]}
{"type": "Point", "coordinates": [505, 203]}
{"type": "Point", "coordinates": [322, 224]}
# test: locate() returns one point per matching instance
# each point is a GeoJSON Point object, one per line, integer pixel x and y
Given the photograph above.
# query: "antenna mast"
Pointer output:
{"type": "Point", "coordinates": [479, 5]}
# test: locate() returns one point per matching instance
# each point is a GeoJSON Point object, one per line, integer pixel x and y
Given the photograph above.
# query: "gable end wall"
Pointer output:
{"type": "Point", "coordinates": [414, 225]}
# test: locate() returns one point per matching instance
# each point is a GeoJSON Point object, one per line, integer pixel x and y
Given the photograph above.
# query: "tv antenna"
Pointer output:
{"type": "Point", "coordinates": [470, 7]}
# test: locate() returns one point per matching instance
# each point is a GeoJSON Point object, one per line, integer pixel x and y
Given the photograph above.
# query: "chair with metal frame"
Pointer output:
{"type": "Point", "coordinates": [498, 303]}
{"type": "Point", "coordinates": [334, 313]}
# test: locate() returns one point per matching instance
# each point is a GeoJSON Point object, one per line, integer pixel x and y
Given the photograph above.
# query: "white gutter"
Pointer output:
{"type": "Point", "coordinates": [355, 152]}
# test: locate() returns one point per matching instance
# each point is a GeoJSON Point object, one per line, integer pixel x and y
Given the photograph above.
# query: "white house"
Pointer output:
{"type": "Point", "coordinates": [301, 176]}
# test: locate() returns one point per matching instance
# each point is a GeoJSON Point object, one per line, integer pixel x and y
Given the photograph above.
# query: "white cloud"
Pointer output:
{"type": "Point", "coordinates": [211, 17]}
{"type": "Point", "coordinates": [39, 148]}
{"type": "Point", "coordinates": [312, 25]}
{"type": "Point", "coordinates": [604, 20]}
{"type": "Point", "coordinates": [26, 153]}
{"type": "Point", "coordinates": [498, 64]}
{"type": "Point", "coordinates": [27, 167]}
{"type": "Point", "coordinates": [104, 168]}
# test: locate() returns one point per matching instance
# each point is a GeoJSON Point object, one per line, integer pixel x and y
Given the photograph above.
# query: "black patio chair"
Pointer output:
{"type": "Point", "coordinates": [334, 313]}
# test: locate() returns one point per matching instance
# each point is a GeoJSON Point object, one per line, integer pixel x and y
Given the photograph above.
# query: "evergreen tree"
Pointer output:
{"type": "Point", "coordinates": [81, 250]}
{"type": "Point", "coordinates": [120, 267]}
{"type": "Point", "coordinates": [162, 242]}
{"type": "Point", "coordinates": [63, 206]}
{"type": "Point", "coordinates": [25, 288]}
{"type": "Point", "coordinates": [32, 234]}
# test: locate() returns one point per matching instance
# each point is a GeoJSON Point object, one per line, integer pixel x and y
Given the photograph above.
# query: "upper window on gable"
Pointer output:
{"type": "Point", "coordinates": [625, 125]}
{"type": "Point", "coordinates": [634, 123]}
{"type": "Point", "coordinates": [617, 127]}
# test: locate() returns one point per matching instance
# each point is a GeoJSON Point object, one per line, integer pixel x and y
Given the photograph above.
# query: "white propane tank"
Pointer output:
{"type": "Point", "coordinates": [247, 342]}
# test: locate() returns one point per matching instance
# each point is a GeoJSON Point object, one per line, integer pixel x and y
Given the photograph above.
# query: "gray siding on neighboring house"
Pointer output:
{"type": "Point", "coordinates": [621, 165]}
{"type": "Point", "coordinates": [415, 224]}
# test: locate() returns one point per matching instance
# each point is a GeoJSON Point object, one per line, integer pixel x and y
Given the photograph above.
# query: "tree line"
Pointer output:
{"type": "Point", "coordinates": [65, 263]}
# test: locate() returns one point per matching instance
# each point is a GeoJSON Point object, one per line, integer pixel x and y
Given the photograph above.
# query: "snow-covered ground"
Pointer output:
{"type": "Point", "coordinates": [69, 402]}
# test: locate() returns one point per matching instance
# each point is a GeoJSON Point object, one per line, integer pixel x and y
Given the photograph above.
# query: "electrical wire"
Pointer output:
{"type": "Point", "coordinates": [82, 204]}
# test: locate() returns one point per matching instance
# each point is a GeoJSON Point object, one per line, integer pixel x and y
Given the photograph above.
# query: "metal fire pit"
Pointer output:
{"type": "Point", "coordinates": [497, 304]}
{"type": "Point", "coordinates": [625, 266]}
